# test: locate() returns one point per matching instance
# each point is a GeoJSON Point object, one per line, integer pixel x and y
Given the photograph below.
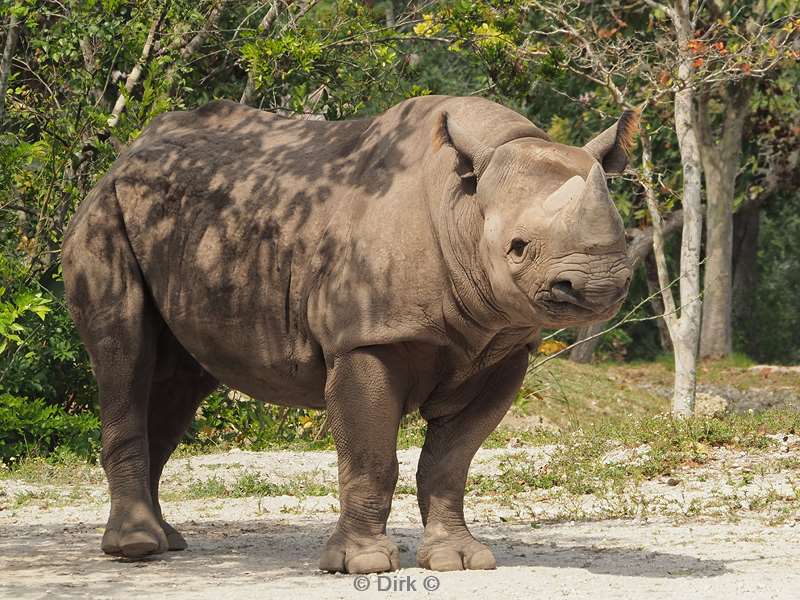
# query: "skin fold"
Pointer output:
{"type": "Point", "coordinates": [370, 267]}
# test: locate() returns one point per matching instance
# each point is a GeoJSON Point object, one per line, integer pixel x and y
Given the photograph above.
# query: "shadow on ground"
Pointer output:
{"type": "Point", "coordinates": [243, 553]}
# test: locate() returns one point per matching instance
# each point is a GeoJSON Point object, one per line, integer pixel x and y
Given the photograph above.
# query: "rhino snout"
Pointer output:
{"type": "Point", "coordinates": [596, 294]}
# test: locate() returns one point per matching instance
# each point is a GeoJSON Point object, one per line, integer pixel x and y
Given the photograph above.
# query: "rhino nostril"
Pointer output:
{"type": "Point", "coordinates": [563, 291]}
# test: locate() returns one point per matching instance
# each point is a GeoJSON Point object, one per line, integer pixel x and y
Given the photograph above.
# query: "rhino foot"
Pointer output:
{"type": "Point", "coordinates": [175, 541]}
{"type": "Point", "coordinates": [135, 538]}
{"type": "Point", "coordinates": [347, 554]}
{"type": "Point", "coordinates": [454, 553]}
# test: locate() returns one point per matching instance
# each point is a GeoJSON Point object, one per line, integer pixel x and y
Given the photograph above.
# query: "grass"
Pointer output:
{"type": "Point", "coordinates": [732, 371]}
{"type": "Point", "coordinates": [563, 393]}
{"type": "Point", "coordinates": [252, 484]}
{"type": "Point", "coordinates": [581, 465]}
{"type": "Point", "coordinates": [61, 468]}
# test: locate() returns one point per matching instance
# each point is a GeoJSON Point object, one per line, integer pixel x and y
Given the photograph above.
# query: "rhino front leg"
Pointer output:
{"type": "Point", "coordinates": [364, 392]}
{"type": "Point", "coordinates": [450, 444]}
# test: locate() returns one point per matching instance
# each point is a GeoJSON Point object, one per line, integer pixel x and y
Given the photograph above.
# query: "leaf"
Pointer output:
{"type": "Point", "coordinates": [551, 347]}
{"type": "Point", "coordinates": [40, 311]}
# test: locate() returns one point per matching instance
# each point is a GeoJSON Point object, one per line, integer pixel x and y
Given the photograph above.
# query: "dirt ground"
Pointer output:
{"type": "Point", "coordinates": [250, 547]}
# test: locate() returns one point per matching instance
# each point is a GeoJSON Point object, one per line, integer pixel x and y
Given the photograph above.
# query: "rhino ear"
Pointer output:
{"type": "Point", "coordinates": [474, 152]}
{"type": "Point", "coordinates": [612, 147]}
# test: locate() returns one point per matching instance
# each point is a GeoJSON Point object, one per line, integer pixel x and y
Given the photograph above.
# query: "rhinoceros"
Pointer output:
{"type": "Point", "coordinates": [372, 267]}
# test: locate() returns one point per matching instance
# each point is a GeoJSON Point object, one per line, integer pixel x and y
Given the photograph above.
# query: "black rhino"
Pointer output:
{"type": "Point", "coordinates": [371, 267]}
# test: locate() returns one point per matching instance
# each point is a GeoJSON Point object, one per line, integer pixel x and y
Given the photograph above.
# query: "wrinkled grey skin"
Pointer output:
{"type": "Point", "coordinates": [372, 267]}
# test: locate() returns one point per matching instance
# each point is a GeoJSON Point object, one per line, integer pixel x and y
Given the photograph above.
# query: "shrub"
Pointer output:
{"type": "Point", "coordinates": [33, 427]}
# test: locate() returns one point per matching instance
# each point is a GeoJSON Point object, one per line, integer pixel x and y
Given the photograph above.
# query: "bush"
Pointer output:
{"type": "Point", "coordinates": [228, 417]}
{"type": "Point", "coordinates": [33, 427]}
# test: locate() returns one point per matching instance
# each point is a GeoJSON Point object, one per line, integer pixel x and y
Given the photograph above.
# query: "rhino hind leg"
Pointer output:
{"type": "Point", "coordinates": [179, 386]}
{"type": "Point", "coordinates": [119, 326]}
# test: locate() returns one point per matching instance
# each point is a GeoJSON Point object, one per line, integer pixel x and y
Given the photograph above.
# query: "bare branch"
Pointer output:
{"type": "Point", "coordinates": [136, 72]}
{"type": "Point", "coordinates": [658, 232]}
{"type": "Point", "coordinates": [12, 35]}
{"type": "Point", "coordinates": [264, 28]}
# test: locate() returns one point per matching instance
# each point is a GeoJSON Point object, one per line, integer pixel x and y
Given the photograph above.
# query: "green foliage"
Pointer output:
{"type": "Point", "coordinates": [41, 355]}
{"type": "Point", "coordinates": [337, 59]}
{"type": "Point", "coordinates": [13, 310]}
{"type": "Point", "coordinates": [230, 418]}
{"type": "Point", "coordinates": [32, 427]}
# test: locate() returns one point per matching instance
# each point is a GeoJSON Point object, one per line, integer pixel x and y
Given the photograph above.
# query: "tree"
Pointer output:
{"type": "Point", "coordinates": [684, 328]}
{"type": "Point", "coordinates": [738, 42]}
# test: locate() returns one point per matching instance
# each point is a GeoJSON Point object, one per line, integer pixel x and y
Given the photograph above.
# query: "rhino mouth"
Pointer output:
{"type": "Point", "coordinates": [562, 294]}
{"type": "Point", "coordinates": [561, 298]}
{"type": "Point", "coordinates": [577, 308]}
{"type": "Point", "coordinates": [563, 307]}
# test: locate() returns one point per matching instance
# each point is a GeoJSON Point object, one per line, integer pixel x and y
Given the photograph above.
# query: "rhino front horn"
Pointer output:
{"type": "Point", "coordinates": [478, 153]}
{"type": "Point", "coordinates": [601, 227]}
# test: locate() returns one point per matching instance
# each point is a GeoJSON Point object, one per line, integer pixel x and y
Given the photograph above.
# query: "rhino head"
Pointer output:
{"type": "Point", "coordinates": [552, 241]}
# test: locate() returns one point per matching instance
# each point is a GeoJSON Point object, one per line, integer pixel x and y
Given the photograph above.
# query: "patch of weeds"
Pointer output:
{"type": "Point", "coordinates": [405, 488]}
{"type": "Point", "coordinates": [253, 485]}
{"type": "Point", "coordinates": [412, 431]}
{"type": "Point", "coordinates": [213, 487]}
{"type": "Point", "coordinates": [304, 484]}
{"type": "Point", "coordinates": [43, 498]}
{"type": "Point", "coordinates": [764, 501]}
{"type": "Point", "coordinates": [783, 515]}
{"type": "Point", "coordinates": [61, 467]}
{"type": "Point", "coordinates": [502, 437]}
{"type": "Point", "coordinates": [610, 459]}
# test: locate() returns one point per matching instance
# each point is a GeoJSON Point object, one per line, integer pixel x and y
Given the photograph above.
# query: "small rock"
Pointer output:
{"type": "Point", "coordinates": [708, 405]}
{"type": "Point", "coordinates": [622, 454]}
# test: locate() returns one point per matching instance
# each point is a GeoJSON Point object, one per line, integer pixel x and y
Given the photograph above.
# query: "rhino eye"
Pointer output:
{"type": "Point", "coordinates": [517, 248]}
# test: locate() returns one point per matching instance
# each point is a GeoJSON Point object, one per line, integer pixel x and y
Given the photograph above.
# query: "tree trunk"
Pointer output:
{"type": "Point", "coordinates": [746, 224]}
{"type": "Point", "coordinates": [720, 165]}
{"type": "Point", "coordinates": [715, 337]}
{"type": "Point", "coordinates": [136, 72]}
{"type": "Point", "coordinates": [264, 28]}
{"type": "Point", "coordinates": [584, 352]}
{"type": "Point", "coordinates": [5, 63]}
{"type": "Point", "coordinates": [686, 335]}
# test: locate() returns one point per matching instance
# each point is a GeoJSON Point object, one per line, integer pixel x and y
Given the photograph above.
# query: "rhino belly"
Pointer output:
{"type": "Point", "coordinates": [249, 351]}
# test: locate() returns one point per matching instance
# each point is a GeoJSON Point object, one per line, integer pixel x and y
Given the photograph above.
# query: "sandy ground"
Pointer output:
{"type": "Point", "coordinates": [268, 547]}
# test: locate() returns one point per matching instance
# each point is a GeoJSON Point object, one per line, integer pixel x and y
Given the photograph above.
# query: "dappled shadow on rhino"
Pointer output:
{"type": "Point", "coordinates": [372, 267]}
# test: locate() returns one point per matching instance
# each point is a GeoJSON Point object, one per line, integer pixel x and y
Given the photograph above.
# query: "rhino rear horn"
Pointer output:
{"type": "Point", "coordinates": [612, 147]}
{"type": "Point", "coordinates": [473, 150]}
